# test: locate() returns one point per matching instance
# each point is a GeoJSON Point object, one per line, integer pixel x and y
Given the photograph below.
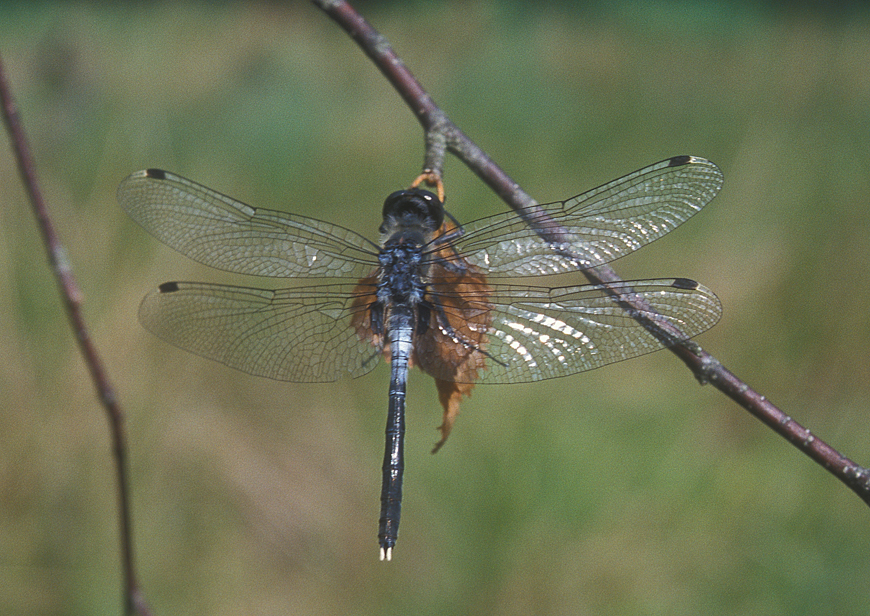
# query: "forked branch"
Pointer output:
{"type": "Point", "coordinates": [442, 135]}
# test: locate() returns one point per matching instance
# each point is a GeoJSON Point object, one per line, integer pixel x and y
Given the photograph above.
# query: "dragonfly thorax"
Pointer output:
{"type": "Point", "coordinates": [400, 277]}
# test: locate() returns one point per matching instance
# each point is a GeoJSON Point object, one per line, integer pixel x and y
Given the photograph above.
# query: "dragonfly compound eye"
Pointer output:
{"type": "Point", "coordinates": [413, 207]}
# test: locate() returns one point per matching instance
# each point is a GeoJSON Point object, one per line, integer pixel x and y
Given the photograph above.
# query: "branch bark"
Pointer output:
{"type": "Point", "coordinates": [442, 135]}
{"type": "Point", "coordinates": [72, 299]}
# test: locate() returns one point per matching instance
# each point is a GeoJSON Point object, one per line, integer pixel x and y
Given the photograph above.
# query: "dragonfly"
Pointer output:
{"type": "Point", "coordinates": [451, 299]}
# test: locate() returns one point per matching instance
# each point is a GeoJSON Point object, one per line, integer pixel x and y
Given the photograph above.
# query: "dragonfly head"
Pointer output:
{"type": "Point", "coordinates": [414, 209]}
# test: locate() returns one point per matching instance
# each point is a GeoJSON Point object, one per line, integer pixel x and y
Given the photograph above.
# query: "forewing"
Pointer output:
{"type": "Point", "coordinates": [302, 335]}
{"type": "Point", "coordinates": [226, 234]}
{"type": "Point", "coordinates": [598, 226]}
{"type": "Point", "coordinates": [537, 333]}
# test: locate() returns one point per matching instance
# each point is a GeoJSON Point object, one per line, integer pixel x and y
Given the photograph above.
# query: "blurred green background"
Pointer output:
{"type": "Point", "coordinates": [628, 490]}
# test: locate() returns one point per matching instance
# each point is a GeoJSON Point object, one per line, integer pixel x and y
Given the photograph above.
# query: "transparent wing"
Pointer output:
{"type": "Point", "coordinates": [302, 335]}
{"type": "Point", "coordinates": [537, 333]}
{"type": "Point", "coordinates": [221, 232]}
{"type": "Point", "coordinates": [599, 226]}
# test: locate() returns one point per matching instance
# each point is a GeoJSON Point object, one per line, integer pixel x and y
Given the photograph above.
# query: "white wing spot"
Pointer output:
{"type": "Point", "coordinates": [310, 256]}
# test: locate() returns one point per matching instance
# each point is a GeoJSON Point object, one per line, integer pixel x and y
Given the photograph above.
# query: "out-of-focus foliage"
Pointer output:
{"type": "Point", "coordinates": [629, 490]}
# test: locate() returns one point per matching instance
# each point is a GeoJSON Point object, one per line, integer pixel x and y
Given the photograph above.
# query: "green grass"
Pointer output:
{"type": "Point", "coordinates": [629, 490]}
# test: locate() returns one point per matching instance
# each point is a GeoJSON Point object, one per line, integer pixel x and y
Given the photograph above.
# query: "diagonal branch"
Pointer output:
{"type": "Point", "coordinates": [72, 298]}
{"type": "Point", "coordinates": [442, 135]}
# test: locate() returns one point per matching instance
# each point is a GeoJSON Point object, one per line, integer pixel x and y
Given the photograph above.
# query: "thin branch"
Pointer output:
{"type": "Point", "coordinates": [442, 135]}
{"type": "Point", "coordinates": [72, 298]}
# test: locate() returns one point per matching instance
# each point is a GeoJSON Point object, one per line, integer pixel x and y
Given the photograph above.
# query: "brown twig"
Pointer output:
{"type": "Point", "coordinates": [72, 298]}
{"type": "Point", "coordinates": [442, 136]}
